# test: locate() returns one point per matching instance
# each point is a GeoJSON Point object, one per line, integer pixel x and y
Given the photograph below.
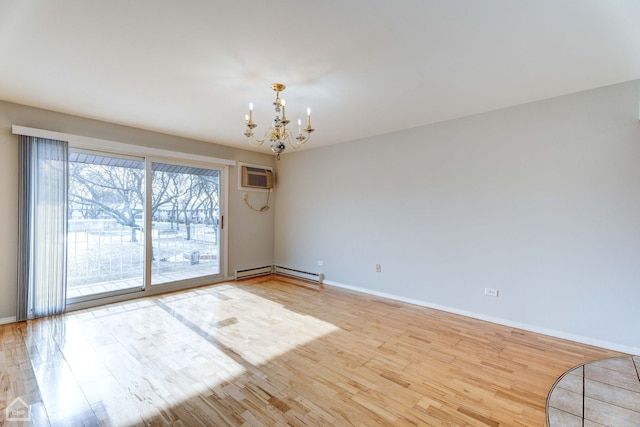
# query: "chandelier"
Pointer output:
{"type": "Point", "coordinates": [278, 134]}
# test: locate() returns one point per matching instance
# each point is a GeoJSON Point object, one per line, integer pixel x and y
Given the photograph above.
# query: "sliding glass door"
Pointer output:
{"type": "Point", "coordinates": [105, 238]}
{"type": "Point", "coordinates": [136, 222]}
{"type": "Point", "coordinates": [185, 222]}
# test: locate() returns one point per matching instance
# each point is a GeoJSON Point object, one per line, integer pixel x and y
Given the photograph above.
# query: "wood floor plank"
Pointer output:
{"type": "Point", "coordinates": [269, 352]}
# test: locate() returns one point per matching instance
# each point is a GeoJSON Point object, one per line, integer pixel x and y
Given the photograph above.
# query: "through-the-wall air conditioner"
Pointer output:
{"type": "Point", "coordinates": [254, 177]}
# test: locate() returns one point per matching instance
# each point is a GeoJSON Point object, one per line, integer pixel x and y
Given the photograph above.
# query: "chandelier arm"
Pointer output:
{"type": "Point", "coordinates": [300, 141]}
{"type": "Point", "coordinates": [292, 142]}
{"type": "Point", "coordinates": [255, 142]}
{"type": "Point", "coordinates": [295, 143]}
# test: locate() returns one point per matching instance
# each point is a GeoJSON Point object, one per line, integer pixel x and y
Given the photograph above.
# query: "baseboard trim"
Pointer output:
{"type": "Point", "coordinates": [505, 322]}
{"type": "Point", "coordinates": [5, 320]}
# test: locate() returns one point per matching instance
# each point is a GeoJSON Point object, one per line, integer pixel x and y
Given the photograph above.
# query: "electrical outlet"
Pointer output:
{"type": "Point", "coordinates": [378, 268]}
{"type": "Point", "coordinates": [245, 196]}
{"type": "Point", "coordinates": [491, 292]}
{"type": "Point", "coordinates": [320, 263]}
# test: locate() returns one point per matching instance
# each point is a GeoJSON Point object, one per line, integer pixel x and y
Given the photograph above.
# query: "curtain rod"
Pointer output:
{"type": "Point", "coordinates": [78, 141]}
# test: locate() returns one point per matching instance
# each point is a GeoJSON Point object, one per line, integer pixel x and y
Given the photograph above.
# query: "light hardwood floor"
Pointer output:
{"type": "Point", "coordinates": [266, 352]}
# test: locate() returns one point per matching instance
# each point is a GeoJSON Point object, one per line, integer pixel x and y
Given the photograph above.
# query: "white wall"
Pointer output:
{"type": "Point", "coordinates": [541, 201]}
{"type": "Point", "coordinates": [250, 233]}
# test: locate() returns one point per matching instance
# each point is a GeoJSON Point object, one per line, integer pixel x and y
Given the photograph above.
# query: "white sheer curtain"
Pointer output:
{"type": "Point", "coordinates": [42, 209]}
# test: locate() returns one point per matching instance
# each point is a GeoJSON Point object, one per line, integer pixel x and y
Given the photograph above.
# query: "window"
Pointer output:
{"type": "Point", "coordinates": [109, 214]}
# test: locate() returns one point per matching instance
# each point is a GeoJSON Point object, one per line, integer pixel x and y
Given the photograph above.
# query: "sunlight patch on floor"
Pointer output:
{"type": "Point", "coordinates": [123, 363]}
{"type": "Point", "coordinates": [256, 328]}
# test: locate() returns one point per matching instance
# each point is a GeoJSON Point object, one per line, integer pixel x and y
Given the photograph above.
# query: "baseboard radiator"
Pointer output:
{"type": "Point", "coordinates": [299, 274]}
{"type": "Point", "coordinates": [247, 273]}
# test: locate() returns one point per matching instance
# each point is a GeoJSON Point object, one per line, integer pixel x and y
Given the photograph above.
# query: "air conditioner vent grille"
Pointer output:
{"type": "Point", "coordinates": [253, 177]}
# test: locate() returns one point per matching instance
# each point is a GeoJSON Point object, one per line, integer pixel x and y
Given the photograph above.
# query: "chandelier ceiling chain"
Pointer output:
{"type": "Point", "coordinates": [278, 134]}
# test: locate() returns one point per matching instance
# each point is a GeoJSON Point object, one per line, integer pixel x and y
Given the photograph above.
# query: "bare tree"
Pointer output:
{"type": "Point", "coordinates": [210, 190]}
{"type": "Point", "coordinates": [117, 192]}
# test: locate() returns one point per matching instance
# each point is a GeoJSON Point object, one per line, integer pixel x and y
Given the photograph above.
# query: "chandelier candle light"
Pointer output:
{"type": "Point", "coordinates": [278, 133]}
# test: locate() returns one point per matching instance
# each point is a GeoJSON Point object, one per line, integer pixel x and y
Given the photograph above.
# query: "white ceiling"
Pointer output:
{"type": "Point", "coordinates": [365, 67]}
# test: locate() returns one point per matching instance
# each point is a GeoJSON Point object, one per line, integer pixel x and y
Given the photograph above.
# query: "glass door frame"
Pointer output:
{"type": "Point", "coordinates": [142, 284]}
{"type": "Point", "coordinates": [222, 201]}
